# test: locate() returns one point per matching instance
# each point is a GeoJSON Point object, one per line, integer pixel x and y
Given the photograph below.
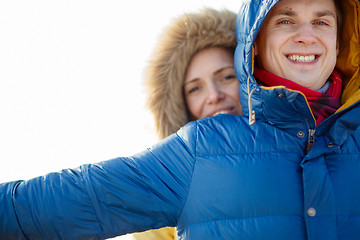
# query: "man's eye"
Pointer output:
{"type": "Point", "coordinates": [284, 22]}
{"type": "Point", "coordinates": [321, 23]}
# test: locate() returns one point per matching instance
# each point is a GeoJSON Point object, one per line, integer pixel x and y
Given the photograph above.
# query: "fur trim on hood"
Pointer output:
{"type": "Point", "coordinates": [165, 73]}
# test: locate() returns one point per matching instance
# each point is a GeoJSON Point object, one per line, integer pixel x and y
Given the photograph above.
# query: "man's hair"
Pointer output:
{"type": "Point", "coordinates": [339, 17]}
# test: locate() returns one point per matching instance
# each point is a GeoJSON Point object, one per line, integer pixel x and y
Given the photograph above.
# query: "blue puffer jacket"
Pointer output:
{"type": "Point", "coordinates": [219, 177]}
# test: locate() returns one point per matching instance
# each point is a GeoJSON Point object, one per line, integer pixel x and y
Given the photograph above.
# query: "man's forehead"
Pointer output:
{"type": "Point", "coordinates": [319, 8]}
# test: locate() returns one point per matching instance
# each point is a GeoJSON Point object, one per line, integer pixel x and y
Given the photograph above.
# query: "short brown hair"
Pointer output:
{"type": "Point", "coordinates": [339, 16]}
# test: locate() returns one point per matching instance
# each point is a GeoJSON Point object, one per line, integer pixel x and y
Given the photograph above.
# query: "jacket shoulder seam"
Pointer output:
{"type": "Point", "coordinates": [192, 170]}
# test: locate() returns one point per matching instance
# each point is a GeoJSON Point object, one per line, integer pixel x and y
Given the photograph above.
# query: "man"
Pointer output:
{"type": "Point", "coordinates": [292, 174]}
{"type": "Point", "coordinates": [299, 42]}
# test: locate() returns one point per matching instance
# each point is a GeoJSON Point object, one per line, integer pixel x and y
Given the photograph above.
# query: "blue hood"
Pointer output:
{"type": "Point", "coordinates": [264, 101]}
{"type": "Point", "coordinates": [251, 16]}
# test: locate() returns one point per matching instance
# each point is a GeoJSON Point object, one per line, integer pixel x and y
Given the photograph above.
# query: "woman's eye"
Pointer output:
{"type": "Point", "coordinates": [193, 89]}
{"type": "Point", "coordinates": [229, 77]}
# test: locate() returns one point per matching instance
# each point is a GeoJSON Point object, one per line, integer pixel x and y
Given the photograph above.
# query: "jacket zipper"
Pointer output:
{"type": "Point", "coordinates": [311, 139]}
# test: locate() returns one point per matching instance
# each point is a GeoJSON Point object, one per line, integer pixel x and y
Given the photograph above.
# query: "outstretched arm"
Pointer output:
{"type": "Point", "coordinates": [98, 201]}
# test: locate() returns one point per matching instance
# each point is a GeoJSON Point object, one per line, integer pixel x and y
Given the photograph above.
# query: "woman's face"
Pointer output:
{"type": "Point", "coordinates": [210, 85]}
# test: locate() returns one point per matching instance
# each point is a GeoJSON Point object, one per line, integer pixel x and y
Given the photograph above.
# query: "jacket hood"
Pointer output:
{"type": "Point", "coordinates": [165, 73]}
{"type": "Point", "coordinates": [253, 97]}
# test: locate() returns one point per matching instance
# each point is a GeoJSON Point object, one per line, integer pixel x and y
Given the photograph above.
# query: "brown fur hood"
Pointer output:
{"type": "Point", "coordinates": [165, 73]}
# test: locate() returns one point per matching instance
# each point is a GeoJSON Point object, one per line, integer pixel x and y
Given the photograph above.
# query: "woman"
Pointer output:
{"type": "Point", "coordinates": [181, 40]}
{"type": "Point", "coordinates": [191, 76]}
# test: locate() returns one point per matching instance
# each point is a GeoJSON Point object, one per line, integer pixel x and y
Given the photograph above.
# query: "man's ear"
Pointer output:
{"type": "Point", "coordinates": [255, 49]}
{"type": "Point", "coordinates": [337, 47]}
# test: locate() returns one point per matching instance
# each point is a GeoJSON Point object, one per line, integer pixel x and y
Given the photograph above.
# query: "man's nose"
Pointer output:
{"type": "Point", "coordinates": [215, 94]}
{"type": "Point", "coordinates": [305, 34]}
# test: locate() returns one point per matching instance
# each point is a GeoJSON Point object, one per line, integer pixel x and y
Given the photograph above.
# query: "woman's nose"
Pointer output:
{"type": "Point", "coordinates": [305, 34]}
{"type": "Point", "coordinates": [215, 95]}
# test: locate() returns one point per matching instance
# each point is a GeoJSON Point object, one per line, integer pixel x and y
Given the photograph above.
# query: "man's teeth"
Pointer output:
{"type": "Point", "coordinates": [298, 58]}
{"type": "Point", "coordinates": [221, 112]}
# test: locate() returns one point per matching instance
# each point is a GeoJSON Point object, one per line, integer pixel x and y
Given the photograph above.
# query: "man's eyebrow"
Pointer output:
{"type": "Point", "coordinates": [285, 12]}
{"type": "Point", "coordinates": [321, 13]}
{"type": "Point", "coordinates": [325, 13]}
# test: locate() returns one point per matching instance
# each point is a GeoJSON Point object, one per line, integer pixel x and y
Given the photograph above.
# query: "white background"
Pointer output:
{"type": "Point", "coordinates": [71, 75]}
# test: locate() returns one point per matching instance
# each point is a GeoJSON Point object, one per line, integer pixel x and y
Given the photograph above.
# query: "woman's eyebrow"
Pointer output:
{"type": "Point", "coordinates": [222, 69]}
{"type": "Point", "coordinates": [191, 81]}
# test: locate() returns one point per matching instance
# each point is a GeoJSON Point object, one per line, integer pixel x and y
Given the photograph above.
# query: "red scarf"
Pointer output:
{"type": "Point", "coordinates": [322, 104]}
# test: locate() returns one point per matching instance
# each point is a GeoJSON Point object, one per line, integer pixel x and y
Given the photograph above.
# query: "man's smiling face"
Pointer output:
{"type": "Point", "coordinates": [298, 41]}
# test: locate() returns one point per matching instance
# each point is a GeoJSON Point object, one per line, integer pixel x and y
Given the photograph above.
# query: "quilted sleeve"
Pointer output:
{"type": "Point", "coordinates": [103, 200]}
